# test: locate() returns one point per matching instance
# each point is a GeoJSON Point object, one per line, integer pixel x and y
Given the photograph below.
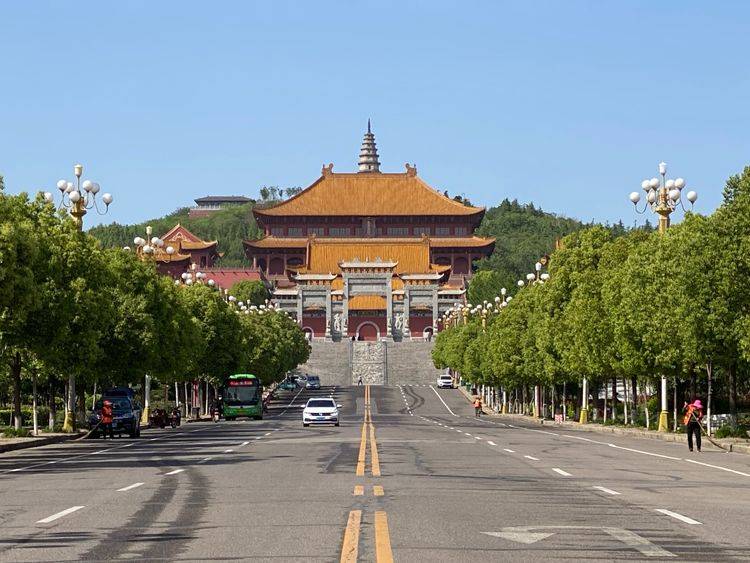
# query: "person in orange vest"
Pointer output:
{"type": "Point", "coordinates": [107, 418]}
{"type": "Point", "coordinates": [477, 406]}
{"type": "Point", "coordinates": [692, 420]}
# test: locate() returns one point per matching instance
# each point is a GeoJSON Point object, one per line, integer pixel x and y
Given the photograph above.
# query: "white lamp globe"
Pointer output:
{"type": "Point", "coordinates": [170, 250]}
{"type": "Point", "coordinates": [646, 185]}
{"type": "Point", "coordinates": [211, 283]}
{"type": "Point", "coordinates": [48, 197]}
{"type": "Point", "coordinates": [692, 196]}
{"type": "Point", "coordinates": [654, 183]}
{"type": "Point", "coordinates": [241, 304]}
{"type": "Point", "coordinates": [662, 168]}
{"type": "Point", "coordinates": [503, 291]}
{"type": "Point", "coordinates": [87, 185]}
{"type": "Point", "coordinates": [189, 281]}
{"type": "Point", "coordinates": [538, 266]}
{"type": "Point", "coordinates": [185, 275]}
{"type": "Point", "coordinates": [155, 241]}
{"type": "Point", "coordinates": [679, 183]}
{"type": "Point", "coordinates": [508, 299]}
{"type": "Point", "coordinates": [95, 188]}
{"type": "Point", "coordinates": [126, 248]}
{"type": "Point", "coordinates": [107, 199]}
{"type": "Point", "coordinates": [148, 249]}
{"type": "Point", "coordinates": [520, 283]}
{"type": "Point", "coordinates": [232, 298]}
{"type": "Point", "coordinates": [62, 185]}
{"type": "Point", "coordinates": [669, 184]}
{"type": "Point", "coordinates": [497, 299]}
{"type": "Point", "coordinates": [530, 277]}
{"type": "Point", "coordinates": [635, 197]}
{"type": "Point", "coordinates": [651, 197]}
{"type": "Point", "coordinates": [674, 194]}
{"type": "Point", "coordinates": [545, 276]}
{"type": "Point", "coordinates": [69, 187]}
{"type": "Point", "coordinates": [75, 196]}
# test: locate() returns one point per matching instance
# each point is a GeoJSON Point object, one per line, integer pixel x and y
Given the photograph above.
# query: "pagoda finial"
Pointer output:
{"type": "Point", "coordinates": [368, 154]}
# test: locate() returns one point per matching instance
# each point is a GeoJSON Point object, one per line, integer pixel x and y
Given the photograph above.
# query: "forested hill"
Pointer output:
{"type": "Point", "coordinates": [229, 226]}
{"type": "Point", "coordinates": [523, 234]}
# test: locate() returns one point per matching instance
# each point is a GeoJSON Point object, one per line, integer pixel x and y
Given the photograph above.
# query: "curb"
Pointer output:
{"type": "Point", "coordinates": [631, 432]}
{"type": "Point", "coordinates": [37, 442]}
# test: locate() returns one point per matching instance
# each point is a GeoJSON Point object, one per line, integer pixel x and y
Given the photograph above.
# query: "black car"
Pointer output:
{"type": "Point", "coordinates": [126, 416]}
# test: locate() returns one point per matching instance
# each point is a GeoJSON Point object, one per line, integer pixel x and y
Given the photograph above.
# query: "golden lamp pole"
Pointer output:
{"type": "Point", "coordinates": [78, 198]}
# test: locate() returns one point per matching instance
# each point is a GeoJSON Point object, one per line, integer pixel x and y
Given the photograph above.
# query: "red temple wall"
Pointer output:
{"type": "Point", "coordinates": [356, 321]}
{"type": "Point", "coordinates": [317, 324]}
{"type": "Point", "coordinates": [418, 324]}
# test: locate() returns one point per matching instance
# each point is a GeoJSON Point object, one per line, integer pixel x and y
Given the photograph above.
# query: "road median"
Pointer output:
{"type": "Point", "coordinates": [12, 444]}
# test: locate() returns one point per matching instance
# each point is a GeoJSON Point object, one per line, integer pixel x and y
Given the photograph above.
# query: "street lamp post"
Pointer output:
{"type": "Point", "coordinates": [78, 198]}
{"type": "Point", "coordinates": [663, 197]}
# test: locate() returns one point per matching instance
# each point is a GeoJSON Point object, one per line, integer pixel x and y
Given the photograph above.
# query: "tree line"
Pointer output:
{"type": "Point", "coordinates": [68, 306]}
{"type": "Point", "coordinates": [624, 308]}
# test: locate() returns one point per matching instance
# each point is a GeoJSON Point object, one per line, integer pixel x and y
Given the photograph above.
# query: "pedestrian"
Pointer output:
{"type": "Point", "coordinates": [692, 420]}
{"type": "Point", "coordinates": [477, 407]}
{"type": "Point", "coordinates": [359, 381]}
{"type": "Point", "coordinates": [107, 418]}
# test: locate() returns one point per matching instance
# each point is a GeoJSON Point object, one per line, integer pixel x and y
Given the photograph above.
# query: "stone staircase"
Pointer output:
{"type": "Point", "coordinates": [410, 363]}
{"type": "Point", "coordinates": [379, 363]}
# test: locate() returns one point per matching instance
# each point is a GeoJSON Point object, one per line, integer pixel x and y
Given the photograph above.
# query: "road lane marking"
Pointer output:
{"type": "Point", "coordinates": [129, 487]}
{"type": "Point", "coordinates": [359, 490]}
{"type": "Point", "coordinates": [362, 452]}
{"type": "Point", "coordinates": [244, 444]}
{"type": "Point", "coordinates": [350, 546]}
{"type": "Point", "coordinates": [444, 403]}
{"type": "Point", "coordinates": [543, 432]}
{"type": "Point", "coordinates": [531, 457]}
{"type": "Point", "coordinates": [491, 443]}
{"type": "Point", "coordinates": [478, 438]}
{"type": "Point", "coordinates": [175, 472]}
{"type": "Point", "coordinates": [378, 491]}
{"type": "Point", "coordinates": [375, 459]}
{"type": "Point", "coordinates": [206, 459]}
{"type": "Point", "coordinates": [561, 472]}
{"type": "Point", "coordinates": [60, 514]}
{"type": "Point", "coordinates": [678, 516]}
{"type": "Point", "coordinates": [585, 439]}
{"type": "Point", "coordinates": [229, 451]}
{"type": "Point", "coordinates": [642, 452]}
{"type": "Point", "coordinates": [606, 490]}
{"type": "Point", "coordinates": [383, 553]}
{"type": "Point", "coordinates": [718, 467]}
{"type": "Point", "coordinates": [509, 451]}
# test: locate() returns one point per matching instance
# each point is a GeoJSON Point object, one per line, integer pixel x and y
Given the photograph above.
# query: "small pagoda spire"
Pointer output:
{"type": "Point", "coordinates": [368, 154]}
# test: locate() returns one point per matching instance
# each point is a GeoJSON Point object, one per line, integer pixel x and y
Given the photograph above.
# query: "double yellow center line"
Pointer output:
{"type": "Point", "coordinates": [350, 547]}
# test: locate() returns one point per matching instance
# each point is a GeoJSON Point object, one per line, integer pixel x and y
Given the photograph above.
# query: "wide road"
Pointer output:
{"type": "Point", "coordinates": [410, 475]}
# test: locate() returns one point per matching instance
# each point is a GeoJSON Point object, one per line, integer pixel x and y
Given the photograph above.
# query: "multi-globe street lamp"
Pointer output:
{"type": "Point", "coordinates": [663, 197]}
{"type": "Point", "coordinates": [78, 198]}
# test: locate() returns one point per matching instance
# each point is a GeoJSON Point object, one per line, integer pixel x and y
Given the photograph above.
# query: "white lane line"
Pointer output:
{"type": "Point", "coordinates": [267, 434]}
{"type": "Point", "coordinates": [175, 472]}
{"type": "Point", "coordinates": [561, 472]}
{"type": "Point", "coordinates": [718, 467]}
{"type": "Point", "coordinates": [543, 432]}
{"type": "Point", "coordinates": [129, 487]}
{"type": "Point", "coordinates": [206, 459]}
{"type": "Point", "coordinates": [244, 444]}
{"type": "Point", "coordinates": [60, 514]}
{"type": "Point", "coordinates": [229, 451]}
{"type": "Point", "coordinates": [491, 443]}
{"type": "Point", "coordinates": [444, 403]}
{"type": "Point", "coordinates": [678, 516]}
{"type": "Point", "coordinates": [585, 439]}
{"type": "Point", "coordinates": [257, 438]}
{"type": "Point", "coordinates": [509, 451]}
{"type": "Point", "coordinates": [450, 428]}
{"type": "Point", "coordinates": [606, 490]}
{"type": "Point", "coordinates": [642, 452]}
{"type": "Point", "coordinates": [478, 438]}
{"type": "Point", "coordinates": [531, 458]}
{"type": "Point", "coordinates": [152, 439]}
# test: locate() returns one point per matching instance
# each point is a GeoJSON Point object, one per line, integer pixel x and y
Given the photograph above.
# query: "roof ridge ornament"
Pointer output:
{"type": "Point", "coordinates": [327, 170]}
{"type": "Point", "coordinates": [368, 154]}
{"type": "Point", "coordinates": [411, 169]}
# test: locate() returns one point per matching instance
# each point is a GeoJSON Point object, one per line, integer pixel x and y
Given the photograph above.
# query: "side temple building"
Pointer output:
{"type": "Point", "coordinates": [368, 255]}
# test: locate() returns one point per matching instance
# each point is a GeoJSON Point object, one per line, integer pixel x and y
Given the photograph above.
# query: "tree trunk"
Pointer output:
{"type": "Point", "coordinates": [709, 374]}
{"type": "Point", "coordinates": [733, 389]}
{"type": "Point", "coordinates": [614, 399]}
{"type": "Point", "coordinates": [52, 404]}
{"type": "Point", "coordinates": [15, 374]}
{"type": "Point", "coordinates": [634, 395]}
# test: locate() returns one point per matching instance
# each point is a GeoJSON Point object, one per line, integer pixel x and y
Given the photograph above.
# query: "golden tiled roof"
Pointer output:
{"type": "Point", "coordinates": [412, 256]}
{"type": "Point", "coordinates": [461, 242]}
{"type": "Point", "coordinates": [337, 283]}
{"type": "Point", "coordinates": [356, 194]}
{"type": "Point", "coordinates": [277, 242]}
{"type": "Point", "coordinates": [435, 242]}
{"type": "Point", "coordinates": [197, 245]}
{"type": "Point", "coordinates": [367, 303]}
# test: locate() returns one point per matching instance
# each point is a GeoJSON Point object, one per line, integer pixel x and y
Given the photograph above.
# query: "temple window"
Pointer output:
{"type": "Point", "coordinates": [294, 231]}
{"type": "Point", "coordinates": [277, 231]}
{"type": "Point", "coordinates": [398, 231]}
{"type": "Point", "coordinates": [459, 231]}
{"type": "Point", "coordinates": [442, 231]}
{"type": "Point", "coordinates": [421, 230]}
{"type": "Point", "coordinates": [317, 231]}
{"type": "Point", "coordinates": [339, 231]}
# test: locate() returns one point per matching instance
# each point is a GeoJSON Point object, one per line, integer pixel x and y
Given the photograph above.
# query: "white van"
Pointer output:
{"type": "Point", "coordinates": [445, 381]}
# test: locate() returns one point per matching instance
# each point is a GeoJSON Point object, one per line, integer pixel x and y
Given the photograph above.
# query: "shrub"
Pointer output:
{"type": "Point", "coordinates": [728, 431]}
{"type": "Point", "coordinates": [10, 432]}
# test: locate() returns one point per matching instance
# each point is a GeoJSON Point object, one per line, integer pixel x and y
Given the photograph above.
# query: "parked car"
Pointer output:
{"type": "Point", "coordinates": [321, 411]}
{"type": "Point", "coordinates": [300, 380]}
{"type": "Point", "coordinates": [288, 384]}
{"type": "Point", "coordinates": [126, 416]}
{"type": "Point", "coordinates": [445, 381]}
{"type": "Point", "coordinates": [313, 382]}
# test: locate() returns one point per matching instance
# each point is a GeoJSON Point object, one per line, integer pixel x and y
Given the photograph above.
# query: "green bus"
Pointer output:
{"type": "Point", "coordinates": [242, 395]}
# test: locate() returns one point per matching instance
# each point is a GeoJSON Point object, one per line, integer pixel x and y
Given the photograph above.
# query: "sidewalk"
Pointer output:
{"type": "Point", "coordinates": [11, 444]}
{"type": "Point", "coordinates": [732, 444]}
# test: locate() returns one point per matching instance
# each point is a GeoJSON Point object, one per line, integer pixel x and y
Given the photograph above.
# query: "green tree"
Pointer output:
{"type": "Point", "coordinates": [485, 286]}
{"type": "Point", "coordinates": [251, 292]}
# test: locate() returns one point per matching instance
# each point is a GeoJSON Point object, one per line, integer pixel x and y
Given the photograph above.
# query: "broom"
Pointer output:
{"type": "Point", "coordinates": [705, 433]}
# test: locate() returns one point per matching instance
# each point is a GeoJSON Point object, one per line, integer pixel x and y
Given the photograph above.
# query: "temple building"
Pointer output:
{"type": "Point", "coordinates": [368, 255]}
{"type": "Point", "coordinates": [205, 206]}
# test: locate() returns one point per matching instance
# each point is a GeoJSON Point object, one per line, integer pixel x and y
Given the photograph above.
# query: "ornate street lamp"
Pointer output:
{"type": "Point", "coordinates": [78, 198]}
{"type": "Point", "coordinates": [663, 197]}
{"type": "Point", "coordinates": [193, 276]}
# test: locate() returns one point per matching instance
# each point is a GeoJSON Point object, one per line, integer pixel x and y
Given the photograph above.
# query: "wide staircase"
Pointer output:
{"type": "Point", "coordinates": [378, 363]}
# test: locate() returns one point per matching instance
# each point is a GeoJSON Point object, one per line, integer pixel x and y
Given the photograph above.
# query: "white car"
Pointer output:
{"type": "Point", "coordinates": [320, 411]}
{"type": "Point", "coordinates": [445, 381]}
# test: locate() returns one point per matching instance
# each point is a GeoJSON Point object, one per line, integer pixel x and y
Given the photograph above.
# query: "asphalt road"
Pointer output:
{"type": "Point", "coordinates": [410, 475]}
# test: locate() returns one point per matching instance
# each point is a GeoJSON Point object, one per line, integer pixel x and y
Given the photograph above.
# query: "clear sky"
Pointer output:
{"type": "Point", "coordinates": [568, 104]}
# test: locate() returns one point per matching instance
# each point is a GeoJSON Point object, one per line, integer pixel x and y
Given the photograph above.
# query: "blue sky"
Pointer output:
{"type": "Point", "coordinates": [568, 104]}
